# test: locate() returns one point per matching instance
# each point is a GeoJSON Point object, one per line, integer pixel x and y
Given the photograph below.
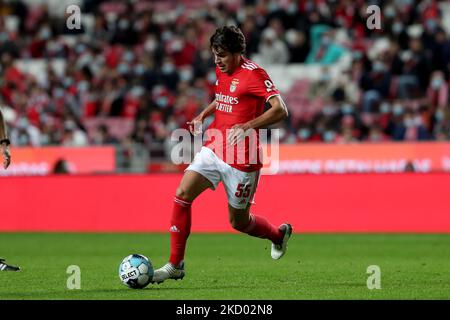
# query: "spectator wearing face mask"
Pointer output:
{"type": "Point", "coordinates": [324, 50]}
{"type": "Point", "coordinates": [169, 75]}
{"type": "Point", "coordinates": [411, 128]}
{"type": "Point", "coordinates": [437, 91]}
{"type": "Point", "coordinates": [298, 46]}
{"type": "Point", "coordinates": [375, 86]}
{"type": "Point", "coordinates": [73, 136]}
{"type": "Point", "coordinates": [272, 50]}
{"type": "Point", "coordinates": [25, 134]}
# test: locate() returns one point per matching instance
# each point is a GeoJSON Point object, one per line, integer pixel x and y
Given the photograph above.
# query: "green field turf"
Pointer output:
{"type": "Point", "coordinates": [231, 266]}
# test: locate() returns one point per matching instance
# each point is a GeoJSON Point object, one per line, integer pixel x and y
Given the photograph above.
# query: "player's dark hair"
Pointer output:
{"type": "Point", "coordinates": [228, 38]}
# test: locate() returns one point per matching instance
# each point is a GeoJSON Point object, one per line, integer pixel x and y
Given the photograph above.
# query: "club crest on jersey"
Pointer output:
{"type": "Point", "coordinates": [233, 85]}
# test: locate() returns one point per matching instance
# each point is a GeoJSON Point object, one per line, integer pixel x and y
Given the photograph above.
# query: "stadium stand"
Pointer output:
{"type": "Point", "coordinates": [138, 69]}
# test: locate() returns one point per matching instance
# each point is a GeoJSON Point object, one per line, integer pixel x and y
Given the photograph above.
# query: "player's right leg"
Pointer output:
{"type": "Point", "coordinates": [191, 186]}
{"type": "Point", "coordinates": [7, 267]}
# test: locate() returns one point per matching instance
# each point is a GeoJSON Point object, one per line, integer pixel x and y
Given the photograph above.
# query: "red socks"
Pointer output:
{"type": "Point", "coordinates": [261, 228]}
{"type": "Point", "coordinates": [179, 230]}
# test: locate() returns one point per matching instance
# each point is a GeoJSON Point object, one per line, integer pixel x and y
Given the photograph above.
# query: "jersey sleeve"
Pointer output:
{"type": "Point", "coordinates": [261, 85]}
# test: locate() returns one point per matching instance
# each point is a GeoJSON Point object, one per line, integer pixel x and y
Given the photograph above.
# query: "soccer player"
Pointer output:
{"type": "Point", "coordinates": [4, 145]}
{"type": "Point", "coordinates": [241, 90]}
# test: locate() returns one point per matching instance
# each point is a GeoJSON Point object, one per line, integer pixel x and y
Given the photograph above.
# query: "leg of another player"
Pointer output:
{"type": "Point", "coordinates": [191, 186]}
{"type": "Point", "coordinates": [7, 267]}
{"type": "Point", "coordinates": [258, 226]}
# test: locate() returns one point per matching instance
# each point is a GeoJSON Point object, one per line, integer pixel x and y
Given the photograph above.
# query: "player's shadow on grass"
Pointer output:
{"type": "Point", "coordinates": [116, 293]}
{"type": "Point", "coordinates": [351, 284]}
{"type": "Point", "coordinates": [199, 288]}
{"type": "Point", "coordinates": [154, 289]}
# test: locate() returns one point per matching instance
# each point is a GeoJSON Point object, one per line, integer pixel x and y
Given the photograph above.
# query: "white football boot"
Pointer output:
{"type": "Point", "coordinates": [278, 250]}
{"type": "Point", "coordinates": [168, 271]}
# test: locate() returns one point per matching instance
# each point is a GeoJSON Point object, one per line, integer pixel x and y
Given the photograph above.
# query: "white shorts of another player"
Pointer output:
{"type": "Point", "coordinates": [240, 186]}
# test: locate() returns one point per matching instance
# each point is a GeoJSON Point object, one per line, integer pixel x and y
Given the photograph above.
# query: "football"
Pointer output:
{"type": "Point", "coordinates": [136, 271]}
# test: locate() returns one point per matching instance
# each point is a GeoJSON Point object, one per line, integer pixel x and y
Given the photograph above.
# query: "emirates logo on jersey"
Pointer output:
{"type": "Point", "coordinates": [234, 84]}
{"type": "Point", "coordinates": [226, 98]}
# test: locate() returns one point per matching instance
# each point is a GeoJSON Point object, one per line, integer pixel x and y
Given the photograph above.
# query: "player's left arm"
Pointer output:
{"type": "Point", "coordinates": [277, 112]}
{"type": "Point", "coordinates": [261, 86]}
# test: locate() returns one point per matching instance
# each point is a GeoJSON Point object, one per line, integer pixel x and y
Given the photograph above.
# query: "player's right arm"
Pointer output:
{"type": "Point", "coordinates": [201, 117]}
{"type": "Point", "coordinates": [4, 142]}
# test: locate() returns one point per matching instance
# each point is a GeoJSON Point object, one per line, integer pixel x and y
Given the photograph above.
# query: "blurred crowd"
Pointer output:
{"type": "Point", "coordinates": [149, 62]}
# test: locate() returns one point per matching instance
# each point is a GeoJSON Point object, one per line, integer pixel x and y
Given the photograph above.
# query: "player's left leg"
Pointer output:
{"type": "Point", "coordinates": [258, 226]}
{"type": "Point", "coordinates": [6, 267]}
{"type": "Point", "coordinates": [241, 187]}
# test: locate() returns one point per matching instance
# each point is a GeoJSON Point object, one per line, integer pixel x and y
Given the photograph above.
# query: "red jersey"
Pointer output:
{"type": "Point", "coordinates": [240, 97]}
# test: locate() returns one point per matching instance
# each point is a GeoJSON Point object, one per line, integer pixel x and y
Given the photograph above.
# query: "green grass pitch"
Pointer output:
{"type": "Point", "coordinates": [231, 266]}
